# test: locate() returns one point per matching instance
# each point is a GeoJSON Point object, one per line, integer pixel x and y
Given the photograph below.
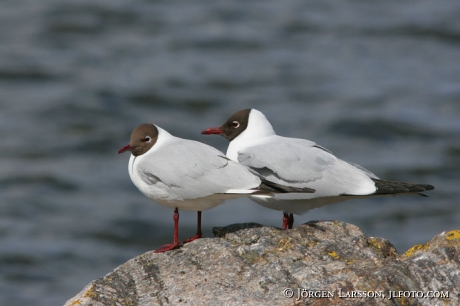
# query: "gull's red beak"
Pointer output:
{"type": "Point", "coordinates": [124, 149]}
{"type": "Point", "coordinates": [214, 130]}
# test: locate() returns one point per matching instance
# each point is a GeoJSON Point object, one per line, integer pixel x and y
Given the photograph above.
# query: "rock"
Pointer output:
{"type": "Point", "coordinates": [319, 263]}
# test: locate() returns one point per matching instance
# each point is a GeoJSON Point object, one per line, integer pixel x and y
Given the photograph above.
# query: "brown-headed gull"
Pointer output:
{"type": "Point", "coordinates": [300, 163]}
{"type": "Point", "coordinates": [185, 174]}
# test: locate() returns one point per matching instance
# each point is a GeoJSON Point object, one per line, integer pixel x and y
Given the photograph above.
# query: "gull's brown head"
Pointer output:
{"type": "Point", "coordinates": [143, 138]}
{"type": "Point", "coordinates": [233, 127]}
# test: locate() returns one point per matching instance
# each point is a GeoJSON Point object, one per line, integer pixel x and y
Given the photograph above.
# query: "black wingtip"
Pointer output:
{"type": "Point", "coordinates": [286, 189]}
{"type": "Point", "coordinates": [393, 187]}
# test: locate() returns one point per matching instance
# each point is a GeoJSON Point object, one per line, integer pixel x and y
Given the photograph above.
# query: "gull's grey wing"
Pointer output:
{"type": "Point", "coordinates": [193, 169]}
{"type": "Point", "coordinates": [300, 162]}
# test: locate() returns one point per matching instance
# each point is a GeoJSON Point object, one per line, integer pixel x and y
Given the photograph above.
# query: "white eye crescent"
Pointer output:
{"type": "Point", "coordinates": [147, 139]}
{"type": "Point", "coordinates": [235, 124]}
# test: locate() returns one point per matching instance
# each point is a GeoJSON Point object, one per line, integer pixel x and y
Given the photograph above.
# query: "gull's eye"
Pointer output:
{"type": "Point", "coordinates": [235, 124]}
{"type": "Point", "coordinates": [147, 139]}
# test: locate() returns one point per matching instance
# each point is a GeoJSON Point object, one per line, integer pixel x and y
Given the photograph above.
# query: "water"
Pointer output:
{"type": "Point", "coordinates": [377, 83]}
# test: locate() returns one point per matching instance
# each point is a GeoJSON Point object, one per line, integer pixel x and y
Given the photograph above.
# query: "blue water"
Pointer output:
{"type": "Point", "coordinates": [376, 83]}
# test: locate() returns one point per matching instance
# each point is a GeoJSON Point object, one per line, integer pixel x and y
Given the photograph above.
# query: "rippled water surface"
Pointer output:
{"type": "Point", "coordinates": [376, 83]}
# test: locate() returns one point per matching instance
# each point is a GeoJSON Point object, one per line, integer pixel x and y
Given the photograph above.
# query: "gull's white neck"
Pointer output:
{"type": "Point", "coordinates": [163, 137]}
{"type": "Point", "coordinates": [258, 128]}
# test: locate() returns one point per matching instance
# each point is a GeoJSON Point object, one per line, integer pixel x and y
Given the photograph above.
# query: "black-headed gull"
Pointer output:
{"type": "Point", "coordinates": [185, 174]}
{"type": "Point", "coordinates": [300, 163]}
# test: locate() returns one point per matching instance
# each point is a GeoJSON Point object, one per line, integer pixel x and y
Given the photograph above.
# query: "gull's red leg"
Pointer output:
{"type": "Point", "coordinates": [198, 234]}
{"type": "Point", "coordinates": [175, 244]}
{"type": "Point", "coordinates": [285, 220]}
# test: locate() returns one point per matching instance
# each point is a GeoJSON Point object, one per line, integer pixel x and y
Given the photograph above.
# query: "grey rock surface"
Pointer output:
{"type": "Point", "coordinates": [319, 263]}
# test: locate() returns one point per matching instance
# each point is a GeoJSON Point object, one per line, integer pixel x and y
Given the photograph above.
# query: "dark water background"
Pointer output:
{"type": "Point", "coordinates": [378, 83]}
